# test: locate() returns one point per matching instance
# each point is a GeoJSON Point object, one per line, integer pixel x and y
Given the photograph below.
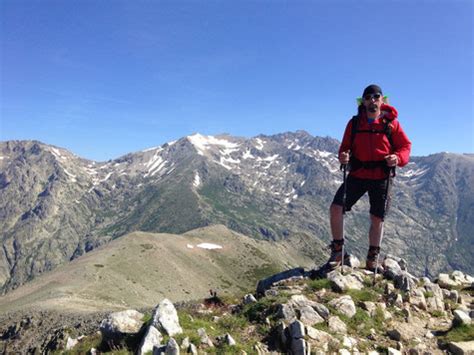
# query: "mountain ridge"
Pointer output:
{"type": "Point", "coordinates": [58, 206]}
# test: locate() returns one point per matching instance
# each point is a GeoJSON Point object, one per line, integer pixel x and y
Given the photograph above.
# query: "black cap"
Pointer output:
{"type": "Point", "coordinates": [372, 89]}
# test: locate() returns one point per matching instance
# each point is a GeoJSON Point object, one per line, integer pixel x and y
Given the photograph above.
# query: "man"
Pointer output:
{"type": "Point", "coordinates": [372, 149]}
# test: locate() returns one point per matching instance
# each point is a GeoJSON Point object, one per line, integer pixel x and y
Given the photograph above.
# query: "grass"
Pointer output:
{"type": "Point", "coordinates": [428, 294]}
{"type": "Point", "coordinates": [364, 295]}
{"type": "Point", "coordinates": [361, 323]}
{"type": "Point", "coordinates": [316, 285]}
{"type": "Point", "coordinates": [236, 325]}
{"type": "Point", "coordinates": [459, 333]}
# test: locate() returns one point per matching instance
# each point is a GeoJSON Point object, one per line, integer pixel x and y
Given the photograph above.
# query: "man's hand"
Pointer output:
{"type": "Point", "coordinates": [392, 160]}
{"type": "Point", "coordinates": [344, 157]}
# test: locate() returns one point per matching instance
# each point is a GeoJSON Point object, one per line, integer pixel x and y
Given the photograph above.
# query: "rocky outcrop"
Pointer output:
{"type": "Point", "coordinates": [295, 315]}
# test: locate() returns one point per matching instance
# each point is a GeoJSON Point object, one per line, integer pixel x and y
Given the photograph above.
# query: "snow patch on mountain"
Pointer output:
{"type": "Point", "coordinates": [247, 155]}
{"type": "Point", "coordinates": [72, 176]}
{"type": "Point", "coordinates": [203, 143]}
{"type": "Point", "coordinates": [260, 143]}
{"type": "Point", "coordinates": [412, 171]}
{"type": "Point", "coordinates": [197, 180]}
{"type": "Point", "coordinates": [209, 246]}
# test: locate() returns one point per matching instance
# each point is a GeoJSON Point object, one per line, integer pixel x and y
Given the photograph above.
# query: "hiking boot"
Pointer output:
{"type": "Point", "coordinates": [371, 262]}
{"type": "Point", "coordinates": [335, 259]}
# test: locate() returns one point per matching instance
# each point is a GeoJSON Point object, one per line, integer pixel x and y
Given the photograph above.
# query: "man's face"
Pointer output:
{"type": "Point", "coordinates": [373, 102]}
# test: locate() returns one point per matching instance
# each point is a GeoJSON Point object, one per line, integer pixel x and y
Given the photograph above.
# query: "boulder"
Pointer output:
{"type": "Point", "coordinates": [392, 351]}
{"type": "Point", "coordinates": [417, 298]}
{"type": "Point", "coordinates": [461, 317]}
{"type": "Point", "coordinates": [192, 349]}
{"type": "Point", "coordinates": [435, 290]}
{"type": "Point", "coordinates": [336, 325]}
{"type": "Point", "coordinates": [345, 305]}
{"type": "Point", "coordinates": [172, 347]}
{"type": "Point", "coordinates": [165, 318]}
{"type": "Point", "coordinates": [405, 281]}
{"type": "Point", "coordinates": [249, 299]}
{"type": "Point", "coordinates": [119, 324]}
{"type": "Point", "coordinates": [300, 347]}
{"type": "Point", "coordinates": [267, 283]}
{"type": "Point", "coordinates": [446, 282]}
{"type": "Point", "coordinates": [151, 339]}
{"type": "Point", "coordinates": [204, 337]}
{"type": "Point", "coordinates": [296, 329]}
{"type": "Point", "coordinates": [308, 316]}
{"type": "Point", "coordinates": [462, 348]}
{"type": "Point", "coordinates": [392, 268]}
{"type": "Point", "coordinates": [342, 283]}
{"type": "Point", "coordinates": [286, 312]}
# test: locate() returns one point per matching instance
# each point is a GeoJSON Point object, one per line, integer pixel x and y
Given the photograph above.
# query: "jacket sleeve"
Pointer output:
{"type": "Point", "coordinates": [402, 145]}
{"type": "Point", "coordinates": [346, 139]}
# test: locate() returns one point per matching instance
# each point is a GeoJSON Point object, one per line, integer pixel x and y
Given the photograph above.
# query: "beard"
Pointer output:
{"type": "Point", "coordinates": [372, 108]}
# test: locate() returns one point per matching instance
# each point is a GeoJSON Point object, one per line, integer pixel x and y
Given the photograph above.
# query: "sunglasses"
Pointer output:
{"type": "Point", "coordinates": [372, 96]}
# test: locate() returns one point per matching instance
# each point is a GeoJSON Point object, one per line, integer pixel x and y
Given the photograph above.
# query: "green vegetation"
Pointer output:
{"type": "Point", "coordinates": [236, 325]}
{"type": "Point", "coordinates": [459, 333]}
{"type": "Point", "coordinates": [437, 313]}
{"type": "Point", "coordinates": [364, 295]}
{"type": "Point", "coordinates": [361, 323]}
{"type": "Point", "coordinates": [316, 285]}
{"type": "Point", "coordinates": [428, 294]}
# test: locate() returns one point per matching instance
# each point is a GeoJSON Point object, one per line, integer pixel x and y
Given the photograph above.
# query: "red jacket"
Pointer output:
{"type": "Point", "coordinates": [375, 146]}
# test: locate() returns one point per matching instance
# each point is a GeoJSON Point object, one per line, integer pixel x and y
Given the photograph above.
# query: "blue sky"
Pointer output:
{"type": "Point", "coordinates": [104, 78]}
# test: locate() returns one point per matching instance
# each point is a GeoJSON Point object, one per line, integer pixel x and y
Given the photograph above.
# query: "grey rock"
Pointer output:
{"type": "Point", "coordinates": [296, 329]}
{"type": "Point", "coordinates": [394, 334]}
{"type": "Point", "coordinates": [435, 304]}
{"type": "Point", "coordinates": [318, 335]}
{"type": "Point", "coordinates": [461, 317]}
{"type": "Point", "coordinates": [300, 347]}
{"type": "Point", "coordinates": [417, 298]}
{"type": "Point", "coordinates": [435, 289]}
{"type": "Point", "coordinates": [445, 281]}
{"type": "Point", "coordinates": [336, 325]}
{"type": "Point", "coordinates": [401, 262]}
{"type": "Point", "coordinates": [405, 281]}
{"type": "Point", "coordinates": [185, 343]}
{"type": "Point", "coordinates": [322, 310]}
{"type": "Point", "coordinates": [370, 307]}
{"type": "Point", "coordinates": [349, 342]}
{"type": "Point", "coordinates": [228, 340]}
{"type": "Point", "coordinates": [392, 351]}
{"type": "Point", "coordinates": [165, 318]}
{"type": "Point", "coordinates": [151, 339]}
{"type": "Point", "coordinates": [308, 316]}
{"type": "Point", "coordinates": [172, 348]}
{"type": "Point", "coordinates": [462, 348]}
{"type": "Point", "coordinates": [249, 298]}
{"type": "Point", "coordinates": [453, 296]}
{"type": "Point", "coordinates": [286, 312]}
{"type": "Point", "coordinates": [344, 282]}
{"type": "Point", "coordinates": [192, 349]}
{"type": "Point", "coordinates": [392, 268]}
{"type": "Point", "coordinates": [118, 324]}
{"type": "Point", "coordinates": [265, 284]}
{"type": "Point", "coordinates": [345, 305]}
{"type": "Point", "coordinates": [204, 337]}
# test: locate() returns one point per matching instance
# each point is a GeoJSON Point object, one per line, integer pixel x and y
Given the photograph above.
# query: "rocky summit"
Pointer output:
{"type": "Point", "coordinates": [347, 311]}
{"type": "Point", "coordinates": [56, 206]}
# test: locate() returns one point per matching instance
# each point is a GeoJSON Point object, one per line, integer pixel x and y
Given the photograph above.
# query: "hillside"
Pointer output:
{"type": "Point", "coordinates": [139, 268]}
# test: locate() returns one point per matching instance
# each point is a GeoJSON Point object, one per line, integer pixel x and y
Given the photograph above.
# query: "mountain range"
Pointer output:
{"type": "Point", "coordinates": [56, 206]}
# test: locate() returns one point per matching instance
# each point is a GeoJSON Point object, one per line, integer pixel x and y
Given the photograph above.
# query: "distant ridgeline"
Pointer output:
{"type": "Point", "coordinates": [56, 206]}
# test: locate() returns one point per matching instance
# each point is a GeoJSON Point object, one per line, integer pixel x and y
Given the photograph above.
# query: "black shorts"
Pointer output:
{"type": "Point", "coordinates": [356, 188]}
